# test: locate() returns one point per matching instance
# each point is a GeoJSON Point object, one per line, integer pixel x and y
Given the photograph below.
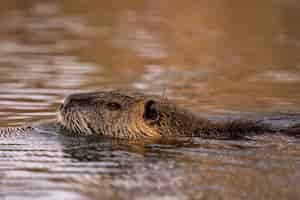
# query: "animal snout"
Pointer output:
{"type": "Point", "coordinates": [76, 99]}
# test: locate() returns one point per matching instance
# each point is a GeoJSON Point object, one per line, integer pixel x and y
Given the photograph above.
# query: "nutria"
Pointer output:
{"type": "Point", "coordinates": [134, 115]}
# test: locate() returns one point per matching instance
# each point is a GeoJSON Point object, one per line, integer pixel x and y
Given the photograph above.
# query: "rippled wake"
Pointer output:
{"type": "Point", "coordinates": [54, 166]}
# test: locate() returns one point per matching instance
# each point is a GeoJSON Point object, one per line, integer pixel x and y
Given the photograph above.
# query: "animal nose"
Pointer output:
{"type": "Point", "coordinates": [68, 100]}
{"type": "Point", "coordinates": [79, 98]}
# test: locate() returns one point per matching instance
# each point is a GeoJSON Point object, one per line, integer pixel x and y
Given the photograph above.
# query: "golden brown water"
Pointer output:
{"type": "Point", "coordinates": [220, 57]}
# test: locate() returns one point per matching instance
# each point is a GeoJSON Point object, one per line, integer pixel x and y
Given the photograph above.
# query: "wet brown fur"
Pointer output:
{"type": "Point", "coordinates": [133, 115]}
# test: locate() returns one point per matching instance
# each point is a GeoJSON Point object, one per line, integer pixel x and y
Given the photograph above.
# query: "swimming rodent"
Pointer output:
{"type": "Point", "coordinates": [134, 115]}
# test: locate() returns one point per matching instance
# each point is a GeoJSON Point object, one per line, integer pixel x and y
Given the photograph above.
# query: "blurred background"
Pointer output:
{"type": "Point", "coordinates": [225, 56]}
{"type": "Point", "coordinates": [212, 56]}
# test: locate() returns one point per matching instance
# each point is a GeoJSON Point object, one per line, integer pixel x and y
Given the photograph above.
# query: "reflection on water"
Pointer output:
{"type": "Point", "coordinates": [212, 56]}
{"type": "Point", "coordinates": [55, 167]}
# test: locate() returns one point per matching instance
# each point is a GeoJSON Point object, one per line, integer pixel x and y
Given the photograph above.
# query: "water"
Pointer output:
{"type": "Point", "coordinates": [214, 57]}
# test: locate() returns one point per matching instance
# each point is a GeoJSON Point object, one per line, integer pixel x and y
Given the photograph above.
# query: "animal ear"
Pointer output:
{"type": "Point", "coordinates": [151, 113]}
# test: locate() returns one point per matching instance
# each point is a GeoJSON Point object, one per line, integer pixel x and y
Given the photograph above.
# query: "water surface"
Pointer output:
{"type": "Point", "coordinates": [214, 57]}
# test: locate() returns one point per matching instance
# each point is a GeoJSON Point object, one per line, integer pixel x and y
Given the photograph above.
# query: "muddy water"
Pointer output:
{"type": "Point", "coordinates": [215, 57]}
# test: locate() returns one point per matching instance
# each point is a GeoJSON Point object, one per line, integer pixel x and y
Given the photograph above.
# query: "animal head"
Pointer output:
{"type": "Point", "coordinates": [121, 115]}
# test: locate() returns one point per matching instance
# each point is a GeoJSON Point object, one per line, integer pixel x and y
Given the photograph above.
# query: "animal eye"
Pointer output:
{"type": "Point", "coordinates": [113, 106]}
